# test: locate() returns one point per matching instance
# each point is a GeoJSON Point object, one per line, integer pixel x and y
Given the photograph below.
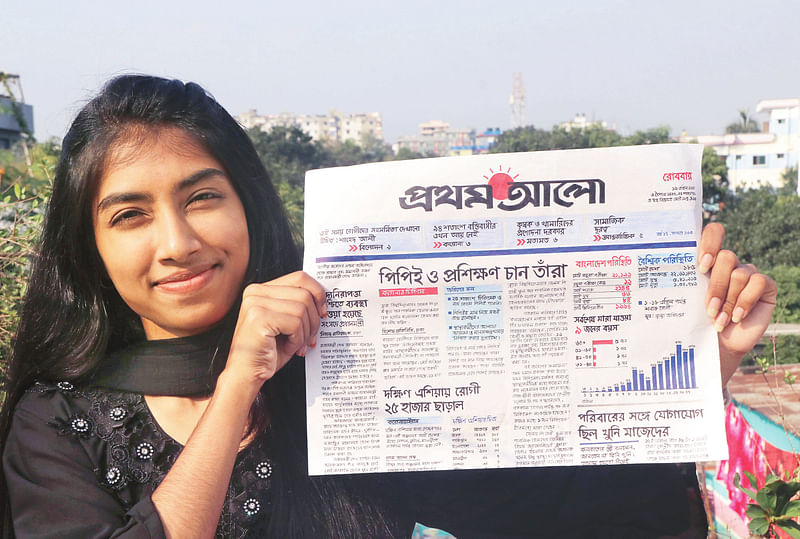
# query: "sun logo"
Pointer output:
{"type": "Point", "coordinates": [500, 181]}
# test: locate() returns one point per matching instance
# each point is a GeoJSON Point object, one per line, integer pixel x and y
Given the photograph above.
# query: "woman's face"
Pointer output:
{"type": "Point", "coordinates": [172, 233]}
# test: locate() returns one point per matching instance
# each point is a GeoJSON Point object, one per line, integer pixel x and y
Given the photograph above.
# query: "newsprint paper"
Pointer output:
{"type": "Point", "coordinates": [506, 310]}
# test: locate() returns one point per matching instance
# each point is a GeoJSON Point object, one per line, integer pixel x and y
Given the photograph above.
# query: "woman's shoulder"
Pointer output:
{"type": "Point", "coordinates": [57, 402]}
{"type": "Point", "coordinates": [115, 429]}
{"type": "Point", "coordinates": [48, 400]}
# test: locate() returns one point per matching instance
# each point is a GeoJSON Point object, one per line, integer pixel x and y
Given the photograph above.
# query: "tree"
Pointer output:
{"type": "Point", "coordinates": [655, 135]}
{"type": "Point", "coordinates": [763, 226]}
{"type": "Point", "coordinates": [787, 278]}
{"type": "Point", "coordinates": [529, 139]}
{"type": "Point", "coordinates": [745, 124]}
{"type": "Point", "coordinates": [715, 182]}
{"type": "Point", "coordinates": [404, 154]}
{"type": "Point", "coordinates": [789, 181]}
{"type": "Point", "coordinates": [522, 139]}
{"type": "Point", "coordinates": [287, 153]}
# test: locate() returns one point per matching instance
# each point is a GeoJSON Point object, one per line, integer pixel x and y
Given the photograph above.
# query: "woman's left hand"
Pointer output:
{"type": "Point", "coordinates": [740, 300]}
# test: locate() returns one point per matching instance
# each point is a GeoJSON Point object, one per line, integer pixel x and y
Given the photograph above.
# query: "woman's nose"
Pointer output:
{"type": "Point", "coordinates": [177, 240]}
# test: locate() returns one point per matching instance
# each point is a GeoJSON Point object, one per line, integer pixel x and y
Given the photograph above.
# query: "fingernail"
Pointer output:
{"type": "Point", "coordinates": [713, 307]}
{"type": "Point", "coordinates": [738, 313]}
{"type": "Point", "coordinates": [325, 311]}
{"type": "Point", "coordinates": [302, 352]}
{"type": "Point", "coordinates": [313, 342]}
{"type": "Point", "coordinates": [721, 321]}
{"type": "Point", "coordinates": [705, 263]}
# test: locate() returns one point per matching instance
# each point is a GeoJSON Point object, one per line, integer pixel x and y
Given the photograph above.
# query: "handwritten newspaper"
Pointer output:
{"type": "Point", "coordinates": [506, 310]}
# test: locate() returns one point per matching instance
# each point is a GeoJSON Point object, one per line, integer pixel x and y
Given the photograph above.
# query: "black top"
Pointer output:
{"type": "Point", "coordinates": [83, 462]}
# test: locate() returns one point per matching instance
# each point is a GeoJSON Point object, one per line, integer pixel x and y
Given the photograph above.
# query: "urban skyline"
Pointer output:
{"type": "Point", "coordinates": [688, 65]}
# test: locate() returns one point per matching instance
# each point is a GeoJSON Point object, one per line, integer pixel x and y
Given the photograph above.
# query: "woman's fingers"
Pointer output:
{"type": "Point", "coordinates": [277, 320]}
{"type": "Point", "coordinates": [290, 300]}
{"type": "Point", "coordinates": [725, 282]}
{"type": "Point", "coordinates": [733, 287]}
{"type": "Point", "coordinates": [300, 279]}
{"type": "Point", "coordinates": [710, 245]}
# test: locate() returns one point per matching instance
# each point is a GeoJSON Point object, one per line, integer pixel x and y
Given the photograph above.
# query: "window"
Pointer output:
{"type": "Point", "coordinates": [738, 157]}
{"type": "Point", "coordinates": [759, 160]}
{"type": "Point", "coordinates": [781, 120]}
{"type": "Point", "coordinates": [781, 156]}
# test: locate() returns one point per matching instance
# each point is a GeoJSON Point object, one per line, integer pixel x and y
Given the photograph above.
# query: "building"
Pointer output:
{"type": "Point", "coordinates": [333, 127]}
{"type": "Point", "coordinates": [10, 130]}
{"type": "Point", "coordinates": [580, 122]}
{"type": "Point", "coordinates": [755, 159]}
{"type": "Point", "coordinates": [486, 140]}
{"type": "Point", "coordinates": [438, 138]}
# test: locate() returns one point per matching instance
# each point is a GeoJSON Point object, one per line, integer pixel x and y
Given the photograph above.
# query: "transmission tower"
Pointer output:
{"type": "Point", "coordinates": [517, 101]}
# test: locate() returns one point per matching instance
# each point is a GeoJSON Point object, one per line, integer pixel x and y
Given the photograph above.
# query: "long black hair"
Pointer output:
{"type": "Point", "coordinates": [72, 316]}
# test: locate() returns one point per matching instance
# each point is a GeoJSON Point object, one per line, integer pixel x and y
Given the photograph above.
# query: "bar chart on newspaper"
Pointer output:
{"type": "Point", "coordinates": [511, 310]}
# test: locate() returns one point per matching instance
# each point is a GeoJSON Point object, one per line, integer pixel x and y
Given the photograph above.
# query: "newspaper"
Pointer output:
{"type": "Point", "coordinates": [507, 310]}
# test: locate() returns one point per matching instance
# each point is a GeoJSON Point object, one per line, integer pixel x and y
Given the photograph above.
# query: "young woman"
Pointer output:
{"type": "Point", "coordinates": [151, 391]}
{"type": "Point", "coordinates": [144, 395]}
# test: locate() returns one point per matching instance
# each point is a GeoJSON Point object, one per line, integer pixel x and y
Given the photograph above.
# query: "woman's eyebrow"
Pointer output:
{"type": "Point", "coordinates": [197, 177]}
{"type": "Point", "coordinates": [123, 198]}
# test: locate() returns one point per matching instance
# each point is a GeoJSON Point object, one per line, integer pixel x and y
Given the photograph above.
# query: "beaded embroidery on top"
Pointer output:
{"type": "Point", "coordinates": [136, 455]}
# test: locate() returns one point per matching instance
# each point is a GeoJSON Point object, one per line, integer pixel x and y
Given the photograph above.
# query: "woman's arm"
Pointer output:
{"type": "Point", "coordinates": [740, 300]}
{"type": "Point", "coordinates": [276, 321]}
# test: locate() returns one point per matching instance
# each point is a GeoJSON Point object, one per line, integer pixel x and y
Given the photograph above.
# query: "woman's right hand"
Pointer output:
{"type": "Point", "coordinates": [277, 320]}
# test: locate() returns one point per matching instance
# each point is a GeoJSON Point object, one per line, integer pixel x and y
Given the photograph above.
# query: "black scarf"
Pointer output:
{"type": "Point", "coordinates": [187, 366]}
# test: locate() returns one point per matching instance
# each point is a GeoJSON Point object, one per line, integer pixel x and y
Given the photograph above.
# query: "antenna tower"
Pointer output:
{"type": "Point", "coordinates": [517, 101]}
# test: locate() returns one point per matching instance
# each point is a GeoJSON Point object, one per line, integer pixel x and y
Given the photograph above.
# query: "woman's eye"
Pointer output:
{"type": "Point", "coordinates": [126, 217]}
{"type": "Point", "coordinates": [205, 195]}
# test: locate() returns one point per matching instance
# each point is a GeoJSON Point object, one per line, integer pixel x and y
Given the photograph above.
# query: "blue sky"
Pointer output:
{"type": "Point", "coordinates": [636, 64]}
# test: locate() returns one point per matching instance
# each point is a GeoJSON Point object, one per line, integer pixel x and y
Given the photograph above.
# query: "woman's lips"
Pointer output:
{"type": "Point", "coordinates": [188, 281]}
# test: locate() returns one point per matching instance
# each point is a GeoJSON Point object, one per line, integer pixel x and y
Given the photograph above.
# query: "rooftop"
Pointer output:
{"type": "Point", "coordinates": [769, 104]}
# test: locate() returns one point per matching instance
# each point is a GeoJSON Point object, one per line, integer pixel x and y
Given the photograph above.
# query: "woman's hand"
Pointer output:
{"type": "Point", "coordinates": [740, 300]}
{"type": "Point", "coordinates": [277, 320]}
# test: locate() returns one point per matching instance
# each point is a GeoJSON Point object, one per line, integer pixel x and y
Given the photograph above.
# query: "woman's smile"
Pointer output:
{"type": "Point", "coordinates": [183, 282]}
{"type": "Point", "coordinates": [172, 234]}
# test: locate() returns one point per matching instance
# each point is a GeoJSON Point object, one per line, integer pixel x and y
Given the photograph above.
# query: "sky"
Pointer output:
{"type": "Point", "coordinates": [690, 65]}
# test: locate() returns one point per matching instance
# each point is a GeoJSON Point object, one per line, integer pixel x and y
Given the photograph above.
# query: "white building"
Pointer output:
{"type": "Point", "coordinates": [334, 127]}
{"type": "Point", "coordinates": [760, 158]}
{"type": "Point", "coordinates": [579, 121]}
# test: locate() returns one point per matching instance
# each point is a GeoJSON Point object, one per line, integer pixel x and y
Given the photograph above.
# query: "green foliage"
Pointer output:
{"type": "Point", "coordinates": [529, 139]}
{"type": "Point", "coordinates": [789, 181]}
{"type": "Point", "coordinates": [349, 153]}
{"type": "Point", "coordinates": [786, 346]}
{"type": "Point", "coordinates": [13, 169]}
{"type": "Point", "coordinates": [745, 124]}
{"type": "Point", "coordinates": [763, 227]}
{"type": "Point", "coordinates": [404, 154]}
{"type": "Point", "coordinates": [774, 506]}
{"type": "Point", "coordinates": [715, 177]}
{"type": "Point", "coordinates": [288, 153]}
{"type": "Point", "coordinates": [787, 277]}
{"type": "Point", "coordinates": [22, 201]}
{"type": "Point", "coordinates": [370, 150]}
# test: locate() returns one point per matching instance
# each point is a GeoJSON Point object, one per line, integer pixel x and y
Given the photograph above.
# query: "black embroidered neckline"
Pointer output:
{"type": "Point", "coordinates": [177, 367]}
